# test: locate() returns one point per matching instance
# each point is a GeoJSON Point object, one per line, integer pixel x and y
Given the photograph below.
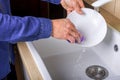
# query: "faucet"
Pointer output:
{"type": "Point", "coordinates": [99, 3]}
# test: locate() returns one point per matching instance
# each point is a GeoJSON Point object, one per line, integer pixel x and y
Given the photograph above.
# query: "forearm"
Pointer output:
{"type": "Point", "coordinates": [14, 29]}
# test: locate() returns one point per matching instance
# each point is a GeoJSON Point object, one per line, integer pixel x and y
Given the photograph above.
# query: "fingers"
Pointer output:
{"type": "Point", "coordinates": [72, 34]}
{"type": "Point", "coordinates": [78, 9]}
{"type": "Point", "coordinates": [64, 29]}
{"type": "Point", "coordinates": [79, 4]}
{"type": "Point", "coordinates": [71, 5]}
{"type": "Point", "coordinates": [66, 6]}
{"type": "Point", "coordinates": [69, 10]}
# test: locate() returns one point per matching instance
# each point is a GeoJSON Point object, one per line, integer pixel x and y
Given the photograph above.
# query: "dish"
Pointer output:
{"type": "Point", "coordinates": [91, 25]}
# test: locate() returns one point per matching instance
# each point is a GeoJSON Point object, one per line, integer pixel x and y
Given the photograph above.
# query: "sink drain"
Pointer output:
{"type": "Point", "coordinates": [97, 72]}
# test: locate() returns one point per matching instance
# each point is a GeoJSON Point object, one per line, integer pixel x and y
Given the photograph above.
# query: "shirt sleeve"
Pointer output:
{"type": "Point", "coordinates": [53, 1]}
{"type": "Point", "coordinates": [14, 29]}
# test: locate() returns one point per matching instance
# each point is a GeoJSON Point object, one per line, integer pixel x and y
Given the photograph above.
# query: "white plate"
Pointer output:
{"type": "Point", "coordinates": [91, 25]}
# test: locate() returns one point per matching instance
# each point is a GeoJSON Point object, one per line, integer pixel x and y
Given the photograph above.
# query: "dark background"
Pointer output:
{"type": "Point", "coordinates": [36, 8]}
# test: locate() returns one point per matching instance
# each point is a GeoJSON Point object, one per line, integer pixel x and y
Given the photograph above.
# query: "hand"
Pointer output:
{"type": "Point", "coordinates": [64, 29]}
{"type": "Point", "coordinates": [71, 5]}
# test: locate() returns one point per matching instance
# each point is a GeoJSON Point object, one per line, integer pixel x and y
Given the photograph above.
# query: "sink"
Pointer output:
{"type": "Point", "coordinates": [61, 60]}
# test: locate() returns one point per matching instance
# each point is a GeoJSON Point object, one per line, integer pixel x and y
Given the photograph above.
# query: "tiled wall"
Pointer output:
{"type": "Point", "coordinates": [117, 8]}
{"type": "Point", "coordinates": [113, 7]}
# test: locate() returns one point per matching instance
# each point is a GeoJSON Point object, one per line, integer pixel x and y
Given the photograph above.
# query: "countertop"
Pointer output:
{"type": "Point", "coordinates": [28, 62]}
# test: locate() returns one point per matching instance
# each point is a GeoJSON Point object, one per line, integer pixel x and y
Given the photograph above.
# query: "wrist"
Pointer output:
{"type": "Point", "coordinates": [53, 27]}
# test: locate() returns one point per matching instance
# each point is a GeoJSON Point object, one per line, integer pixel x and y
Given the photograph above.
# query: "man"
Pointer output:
{"type": "Point", "coordinates": [14, 29]}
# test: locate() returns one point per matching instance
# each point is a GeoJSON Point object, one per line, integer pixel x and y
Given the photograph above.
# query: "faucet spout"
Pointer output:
{"type": "Point", "coordinates": [99, 3]}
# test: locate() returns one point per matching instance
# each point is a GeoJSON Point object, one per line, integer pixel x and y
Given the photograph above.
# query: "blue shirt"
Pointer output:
{"type": "Point", "coordinates": [14, 29]}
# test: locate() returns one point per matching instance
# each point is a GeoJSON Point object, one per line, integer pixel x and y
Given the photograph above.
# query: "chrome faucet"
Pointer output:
{"type": "Point", "coordinates": [97, 4]}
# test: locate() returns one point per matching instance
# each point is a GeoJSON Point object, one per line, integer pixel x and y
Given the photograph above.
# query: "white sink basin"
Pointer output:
{"type": "Point", "coordinates": [65, 61]}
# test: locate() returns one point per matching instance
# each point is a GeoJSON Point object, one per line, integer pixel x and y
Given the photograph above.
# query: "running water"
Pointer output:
{"type": "Point", "coordinates": [83, 50]}
{"type": "Point", "coordinates": [78, 65]}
